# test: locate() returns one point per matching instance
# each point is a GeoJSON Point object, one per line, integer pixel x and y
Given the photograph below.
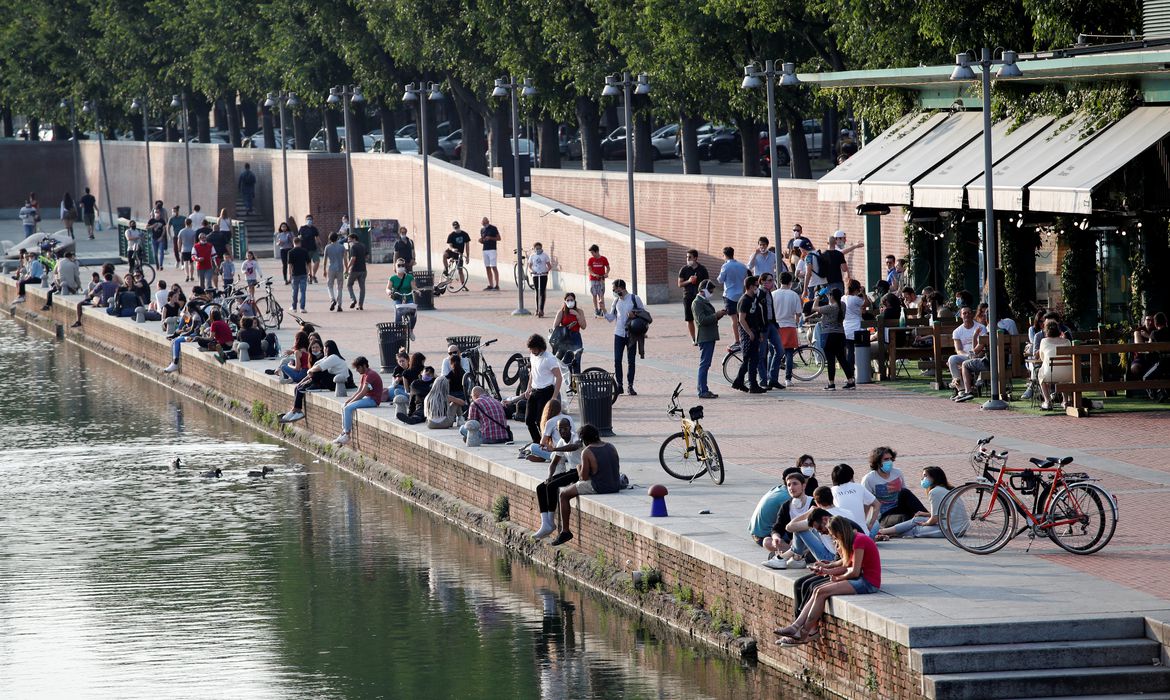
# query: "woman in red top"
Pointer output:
{"type": "Point", "coordinates": [574, 322]}
{"type": "Point", "coordinates": [294, 367]}
{"type": "Point", "coordinates": [857, 571]}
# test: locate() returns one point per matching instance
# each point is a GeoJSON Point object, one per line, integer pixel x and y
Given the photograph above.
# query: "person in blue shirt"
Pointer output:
{"type": "Point", "coordinates": [34, 272]}
{"type": "Point", "coordinates": [764, 516]}
{"type": "Point", "coordinates": [731, 276]}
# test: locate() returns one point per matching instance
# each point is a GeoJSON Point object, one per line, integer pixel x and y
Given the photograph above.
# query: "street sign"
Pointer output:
{"type": "Point", "coordinates": [525, 176]}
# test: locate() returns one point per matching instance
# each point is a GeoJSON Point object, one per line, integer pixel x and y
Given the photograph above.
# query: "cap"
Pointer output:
{"type": "Point", "coordinates": [805, 243]}
{"type": "Point", "coordinates": [838, 234]}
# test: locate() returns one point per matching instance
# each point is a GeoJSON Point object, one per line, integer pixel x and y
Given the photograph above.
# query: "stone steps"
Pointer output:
{"type": "Point", "coordinates": [1048, 683]}
{"type": "Point", "coordinates": [1027, 631]}
{"type": "Point", "coordinates": [1087, 653]}
{"type": "Point", "coordinates": [260, 230]}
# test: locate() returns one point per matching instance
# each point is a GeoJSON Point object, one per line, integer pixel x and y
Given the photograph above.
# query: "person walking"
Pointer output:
{"type": "Point", "coordinates": [706, 320]}
{"type": "Point", "coordinates": [68, 213]}
{"type": "Point", "coordinates": [598, 267]}
{"type": "Point", "coordinates": [489, 236]}
{"type": "Point", "coordinates": [28, 218]}
{"type": "Point", "coordinates": [624, 312]}
{"type": "Point", "coordinates": [203, 254]}
{"type": "Point", "coordinates": [187, 239]}
{"type": "Point", "coordinates": [334, 271]}
{"type": "Point", "coordinates": [539, 265]}
{"type": "Point", "coordinates": [751, 325]}
{"type": "Point", "coordinates": [831, 310]}
{"type": "Point", "coordinates": [545, 384]}
{"type": "Point", "coordinates": [284, 243]}
{"type": "Point", "coordinates": [176, 224]}
{"type": "Point", "coordinates": [690, 277]}
{"type": "Point", "coordinates": [355, 268]}
{"type": "Point", "coordinates": [89, 210]}
{"type": "Point", "coordinates": [731, 276]}
{"type": "Point", "coordinates": [572, 320]}
{"type": "Point", "coordinates": [247, 184]}
{"type": "Point", "coordinates": [159, 237]}
{"type": "Point", "coordinates": [298, 263]}
{"type": "Point", "coordinates": [309, 241]}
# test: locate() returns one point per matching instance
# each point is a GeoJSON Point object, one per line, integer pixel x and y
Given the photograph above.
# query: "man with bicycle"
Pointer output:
{"type": "Point", "coordinates": [457, 242]}
{"type": "Point", "coordinates": [787, 307]}
{"type": "Point", "coordinates": [133, 244]}
{"type": "Point", "coordinates": [751, 327]}
{"type": "Point", "coordinates": [770, 343]}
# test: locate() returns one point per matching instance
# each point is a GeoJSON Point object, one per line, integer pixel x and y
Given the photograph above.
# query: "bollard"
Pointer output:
{"type": "Point", "coordinates": [243, 351]}
{"type": "Point", "coordinates": [339, 384]}
{"type": "Point", "coordinates": [471, 433]}
{"type": "Point", "coordinates": [658, 505]}
{"type": "Point", "coordinates": [140, 314]}
{"type": "Point", "coordinates": [401, 402]}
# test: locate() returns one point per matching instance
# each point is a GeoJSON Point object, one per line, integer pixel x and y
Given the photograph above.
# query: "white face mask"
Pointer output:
{"type": "Point", "coordinates": [704, 293]}
{"type": "Point", "coordinates": [808, 471]}
{"type": "Point", "coordinates": [570, 304]}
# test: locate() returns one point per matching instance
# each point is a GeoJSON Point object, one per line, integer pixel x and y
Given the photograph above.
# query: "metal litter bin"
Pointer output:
{"type": "Point", "coordinates": [596, 398]}
{"type": "Point", "coordinates": [424, 295]}
{"type": "Point", "coordinates": [862, 367]}
{"type": "Point", "coordinates": [465, 343]}
{"type": "Point", "coordinates": [391, 337]}
{"type": "Point", "coordinates": [123, 212]}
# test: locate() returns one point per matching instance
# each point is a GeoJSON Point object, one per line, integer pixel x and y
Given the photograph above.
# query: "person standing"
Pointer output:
{"type": "Point", "coordinates": [334, 271]}
{"type": "Point", "coordinates": [369, 391]}
{"type": "Point", "coordinates": [624, 307]}
{"type": "Point", "coordinates": [197, 217]}
{"type": "Point", "coordinates": [706, 319]}
{"type": "Point", "coordinates": [68, 213]}
{"type": "Point", "coordinates": [690, 277]}
{"type": "Point", "coordinates": [833, 268]}
{"type": "Point", "coordinates": [309, 241]}
{"type": "Point", "coordinates": [763, 259]}
{"type": "Point", "coordinates": [750, 318]}
{"type": "Point", "coordinates": [771, 347]}
{"type": "Point", "coordinates": [787, 306]}
{"type": "Point", "coordinates": [539, 265]}
{"type": "Point", "coordinates": [248, 188]}
{"type": "Point", "coordinates": [839, 243]}
{"type": "Point", "coordinates": [732, 276]}
{"type": "Point", "coordinates": [856, 304]}
{"type": "Point", "coordinates": [404, 248]}
{"type": "Point", "coordinates": [832, 313]}
{"type": "Point", "coordinates": [544, 385]}
{"type": "Point", "coordinates": [28, 218]}
{"type": "Point", "coordinates": [187, 239]}
{"type": "Point", "coordinates": [356, 269]}
{"type": "Point", "coordinates": [573, 321]}
{"type": "Point", "coordinates": [176, 224]}
{"type": "Point", "coordinates": [89, 211]}
{"type": "Point", "coordinates": [284, 243]}
{"type": "Point", "coordinates": [204, 256]}
{"type": "Point", "coordinates": [298, 262]}
{"type": "Point", "coordinates": [598, 266]}
{"type": "Point", "coordinates": [251, 270]}
{"type": "Point", "coordinates": [808, 270]}
{"type": "Point", "coordinates": [489, 236]}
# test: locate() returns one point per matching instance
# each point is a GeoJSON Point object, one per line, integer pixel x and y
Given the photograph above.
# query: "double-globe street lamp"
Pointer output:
{"type": "Point", "coordinates": [617, 85]}
{"type": "Point", "coordinates": [420, 94]}
{"type": "Point", "coordinates": [67, 103]}
{"type": "Point", "coordinates": [91, 106]}
{"type": "Point", "coordinates": [752, 81]}
{"type": "Point", "coordinates": [180, 102]}
{"type": "Point", "coordinates": [139, 103]}
{"type": "Point", "coordinates": [347, 96]}
{"type": "Point", "coordinates": [507, 86]}
{"type": "Point", "coordinates": [963, 72]}
{"type": "Point", "coordinates": [283, 100]}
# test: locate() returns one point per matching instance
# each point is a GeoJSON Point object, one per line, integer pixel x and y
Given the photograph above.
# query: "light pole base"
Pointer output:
{"type": "Point", "coordinates": [521, 312]}
{"type": "Point", "coordinates": [995, 404]}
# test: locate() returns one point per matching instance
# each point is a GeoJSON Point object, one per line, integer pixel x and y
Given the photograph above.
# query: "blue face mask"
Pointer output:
{"type": "Point", "coordinates": [926, 483]}
{"type": "Point", "coordinates": [888, 466]}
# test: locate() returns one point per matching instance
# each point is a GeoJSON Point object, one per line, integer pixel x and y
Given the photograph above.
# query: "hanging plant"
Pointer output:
{"type": "Point", "coordinates": [1017, 259]}
{"type": "Point", "coordinates": [918, 246]}
{"type": "Point", "coordinates": [960, 256]}
{"type": "Point", "coordinates": [1102, 103]}
{"type": "Point", "coordinates": [1078, 273]}
{"type": "Point", "coordinates": [1139, 277]}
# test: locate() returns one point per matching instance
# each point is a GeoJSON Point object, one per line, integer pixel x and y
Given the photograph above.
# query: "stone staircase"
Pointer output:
{"type": "Point", "coordinates": [1110, 658]}
{"type": "Point", "coordinates": [260, 230]}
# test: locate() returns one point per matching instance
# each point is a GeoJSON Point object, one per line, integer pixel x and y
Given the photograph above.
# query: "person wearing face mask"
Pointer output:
{"type": "Point", "coordinates": [896, 503]}
{"type": "Point", "coordinates": [706, 335]}
{"type": "Point", "coordinates": [419, 388]}
{"type": "Point", "coordinates": [539, 265]}
{"type": "Point", "coordinates": [544, 384]}
{"type": "Point", "coordinates": [841, 244]}
{"type": "Point", "coordinates": [626, 308]}
{"type": "Point", "coordinates": [404, 248]}
{"type": "Point", "coordinates": [763, 517]}
{"type": "Point", "coordinates": [572, 320]}
{"type": "Point", "coordinates": [925, 523]}
{"type": "Point", "coordinates": [456, 368]}
{"type": "Point", "coordinates": [309, 241]}
{"type": "Point", "coordinates": [763, 260]}
{"type": "Point", "coordinates": [400, 287]}
{"type": "Point", "coordinates": [771, 347]}
{"type": "Point", "coordinates": [690, 277]}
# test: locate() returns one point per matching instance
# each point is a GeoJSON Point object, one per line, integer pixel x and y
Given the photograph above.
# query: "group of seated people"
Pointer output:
{"type": "Point", "coordinates": [832, 530]}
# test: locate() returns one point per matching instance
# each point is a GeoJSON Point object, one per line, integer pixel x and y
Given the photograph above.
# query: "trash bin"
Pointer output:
{"type": "Point", "coordinates": [425, 294]}
{"type": "Point", "coordinates": [123, 212]}
{"type": "Point", "coordinates": [862, 367]}
{"type": "Point", "coordinates": [391, 337]}
{"type": "Point", "coordinates": [596, 399]}
{"type": "Point", "coordinates": [465, 343]}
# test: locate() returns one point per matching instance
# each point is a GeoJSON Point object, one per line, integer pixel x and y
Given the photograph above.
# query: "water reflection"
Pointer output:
{"type": "Point", "coordinates": [120, 577]}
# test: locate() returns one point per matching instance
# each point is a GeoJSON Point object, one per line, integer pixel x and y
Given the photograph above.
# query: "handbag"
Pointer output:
{"type": "Point", "coordinates": [505, 426]}
{"type": "Point", "coordinates": [558, 336]}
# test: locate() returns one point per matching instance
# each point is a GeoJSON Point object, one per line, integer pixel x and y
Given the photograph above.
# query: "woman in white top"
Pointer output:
{"type": "Point", "coordinates": [856, 303]}
{"type": "Point", "coordinates": [539, 265]}
{"type": "Point", "coordinates": [322, 375]}
{"type": "Point", "coordinates": [925, 523]}
{"type": "Point", "coordinates": [553, 413]}
{"type": "Point", "coordinates": [544, 383]}
{"type": "Point", "coordinates": [1049, 375]}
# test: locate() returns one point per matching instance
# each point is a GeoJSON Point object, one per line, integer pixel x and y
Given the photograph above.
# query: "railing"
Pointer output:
{"type": "Point", "coordinates": [1095, 355]}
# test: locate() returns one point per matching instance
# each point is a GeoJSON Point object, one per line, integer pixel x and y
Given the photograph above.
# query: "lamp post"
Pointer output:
{"type": "Point", "coordinates": [963, 72]}
{"type": "Point", "coordinates": [140, 103]}
{"type": "Point", "coordinates": [629, 86]}
{"type": "Point", "coordinates": [180, 101]}
{"type": "Point", "coordinates": [67, 103]}
{"type": "Point", "coordinates": [751, 81]}
{"type": "Point", "coordinates": [347, 95]}
{"type": "Point", "coordinates": [92, 106]}
{"type": "Point", "coordinates": [422, 95]}
{"type": "Point", "coordinates": [506, 86]}
{"type": "Point", "coordinates": [283, 99]}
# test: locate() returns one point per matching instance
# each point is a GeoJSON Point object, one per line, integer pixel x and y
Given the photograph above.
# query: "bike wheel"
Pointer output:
{"type": "Point", "coordinates": [1095, 517]}
{"type": "Point", "coordinates": [976, 519]}
{"type": "Point", "coordinates": [732, 361]}
{"type": "Point", "coordinates": [712, 458]}
{"type": "Point", "coordinates": [613, 395]}
{"type": "Point", "coordinates": [271, 314]}
{"type": "Point", "coordinates": [513, 369]}
{"type": "Point", "coordinates": [678, 460]}
{"type": "Point", "coordinates": [518, 275]}
{"type": "Point", "coordinates": [458, 280]}
{"type": "Point", "coordinates": [808, 363]}
{"type": "Point", "coordinates": [148, 273]}
{"type": "Point", "coordinates": [488, 381]}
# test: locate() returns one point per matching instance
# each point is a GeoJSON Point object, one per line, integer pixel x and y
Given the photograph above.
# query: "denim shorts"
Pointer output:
{"type": "Point", "coordinates": [862, 587]}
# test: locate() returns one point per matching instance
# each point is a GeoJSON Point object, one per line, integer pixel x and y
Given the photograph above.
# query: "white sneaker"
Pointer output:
{"type": "Point", "coordinates": [796, 563]}
{"type": "Point", "coordinates": [171, 368]}
{"type": "Point", "coordinates": [291, 417]}
{"type": "Point", "coordinates": [776, 563]}
{"type": "Point", "coordinates": [342, 439]}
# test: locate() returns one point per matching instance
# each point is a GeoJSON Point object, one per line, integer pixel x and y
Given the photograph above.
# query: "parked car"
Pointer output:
{"type": "Point", "coordinates": [450, 143]}
{"type": "Point", "coordinates": [614, 144]}
{"type": "Point", "coordinates": [569, 140]}
{"type": "Point", "coordinates": [721, 144]}
{"type": "Point", "coordinates": [317, 143]}
{"type": "Point", "coordinates": [700, 132]}
{"type": "Point", "coordinates": [411, 130]}
{"type": "Point", "coordinates": [527, 148]}
{"type": "Point", "coordinates": [403, 143]}
{"type": "Point", "coordinates": [812, 139]}
{"type": "Point", "coordinates": [664, 141]}
{"type": "Point", "coordinates": [256, 140]}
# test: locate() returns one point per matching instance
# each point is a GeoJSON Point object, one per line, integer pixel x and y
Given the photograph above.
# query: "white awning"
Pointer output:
{"type": "Point", "coordinates": [1013, 174]}
{"type": "Point", "coordinates": [942, 188]}
{"type": "Point", "coordinates": [841, 184]}
{"type": "Point", "coordinates": [1069, 187]}
{"type": "Point", "coordinates": [891, 183]}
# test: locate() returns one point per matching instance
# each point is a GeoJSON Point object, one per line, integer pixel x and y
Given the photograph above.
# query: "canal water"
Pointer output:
{"type": "Point", "coordinates": [121, 577]}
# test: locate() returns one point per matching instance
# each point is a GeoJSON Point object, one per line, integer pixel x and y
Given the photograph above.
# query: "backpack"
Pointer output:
{"type": "Point", "coordinates": [814, 263]}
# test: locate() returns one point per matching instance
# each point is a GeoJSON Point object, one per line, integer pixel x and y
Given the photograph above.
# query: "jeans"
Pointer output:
{"type": "Point", "coordinates": [347, 412]}
{"type": "Point", "coordinates": [810, 541]}
{"type": "Point", "coordinates": [159, 248]}
{"type": "Point", "coordinates": [751, 360]}
{"type": "Point", "coordinates": [29, 229]}
{"type": "Point", "coordinates": [915, 528]}
{"type": "Point", "coordinates": [770, 338]}
{"type": "Point", "coordinates": [541, 282]}
{"type": "Point", "coordinates": [706, 354]}
{"type": "Point", "coordinates": [622, 347]}
{"type": "Point", "coordinates": [249, 196]}
{"type": "Point", "coordinates": [358, 276]}
{"type": "Point", "coordinates": [299, 289]}
{"type": "Point", "coordinates": [206, 277]}
{"type": "Point", "coordinates": [537, 451]}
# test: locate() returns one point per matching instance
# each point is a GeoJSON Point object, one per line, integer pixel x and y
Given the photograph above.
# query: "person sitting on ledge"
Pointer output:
{"type": "Point", "coordinates": [493, 421]}
{"type": "Point", "coordinates": [322, 376]}
{"type": "Point", "coordinates": [768, 507]}
{"type": "Point", "coordinates": [925, 524]}
{"type": "Point", "coordinates": [542, 451]}
{"type": "Point", "coordinates": [293, 367]}
{"type": "Point", "coordinates": [124, 302]}
{"type": "Point", "coordinates": [895, 502]}
{"type": "Point", "coordinates": [856, 571]}
{"type": "Point", "coordinates": [368, 395]}
{"type": "Point", "coordinates": [440, 408]}
{"type": "Point", "coordinates": [218, 335]}
{"type": "Point", "coordinates": [254, 337]}
{"type": "Point", "coordinates": [600, 472]}
{"type": "Point", "coordinates": [419, 390]}
{"type": "Point", "coordinates": [562, 472]}
{"type": "Point", "coordinates": [99, 296]}
{"type": "Point", "coordinates": [783, 552]}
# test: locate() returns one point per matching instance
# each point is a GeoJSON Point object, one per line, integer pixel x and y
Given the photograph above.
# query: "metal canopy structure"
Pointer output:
{"type": "Point", "coordinates": [841, 184]}
{"type": "Point", "coordinates": [891, 184]}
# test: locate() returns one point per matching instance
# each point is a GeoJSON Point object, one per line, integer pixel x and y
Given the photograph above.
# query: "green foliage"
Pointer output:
{"type": "Point", "coordinates": [408, 485]}
{"type": "Point", "coordinates": [600, 562]}
{"type": "Point", "coordinates": [1100, 104]}
{"type": "Point", "coordinates": [918, 246]}
{"type": "Point", "coordinates": [1018, 261]}
{"type": "Point", "coordinates": [501, 509]}
{"type": "Point", "coordinates": [259, 409]}
{"type": "Point", "coordinates": [1078, 273]}
{"type": "Point", "coordinates": [879, 107]}
{"type": "Point", "coordinates": [961, 254]}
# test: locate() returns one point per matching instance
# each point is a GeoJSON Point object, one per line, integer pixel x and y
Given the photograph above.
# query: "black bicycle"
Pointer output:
{"type": "Point", "coordinates": [482, 372]}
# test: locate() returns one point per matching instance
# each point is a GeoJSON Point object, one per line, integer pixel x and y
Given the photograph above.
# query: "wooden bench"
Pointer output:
{"type": "Point", "coordinates": [1075, 390]}
{"type": "Point", "coordinates": [900, 348]}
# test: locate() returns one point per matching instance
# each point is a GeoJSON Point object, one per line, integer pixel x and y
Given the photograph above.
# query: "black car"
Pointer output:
{"type": "Point", "coordinates": [722, 144]}
{"type": "Point", "coordinates": [614, 145]}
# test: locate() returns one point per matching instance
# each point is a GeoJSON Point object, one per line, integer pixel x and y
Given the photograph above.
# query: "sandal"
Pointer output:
{"type": "Point", "coordinates": [792, 641]}
{"type": "Point", "coordinates": [788, 631]}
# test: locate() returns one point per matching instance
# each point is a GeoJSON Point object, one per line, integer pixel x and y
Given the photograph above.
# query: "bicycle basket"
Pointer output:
{"type": "Point", "coordinates": [696, 412]}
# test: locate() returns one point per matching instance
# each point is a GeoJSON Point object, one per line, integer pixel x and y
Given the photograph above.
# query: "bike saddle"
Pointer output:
{"type": "Point", "coordinates": [1040, 462]}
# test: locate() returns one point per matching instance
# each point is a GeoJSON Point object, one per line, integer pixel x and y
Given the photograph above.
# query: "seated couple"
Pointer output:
{"type": "Point", "coordinates": [598, 471]}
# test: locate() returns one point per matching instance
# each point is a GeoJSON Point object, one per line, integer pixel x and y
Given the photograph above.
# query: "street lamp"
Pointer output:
{"type": "Point", "coordinates": [964, 72]}
{"type": "Point", "coordinates": [88, 107]}
{"type": "Point", "coordinates": [415, 93]}
{"type": "Point", "coordinates": [177, 102]}
{"type": "Point", "coordinates": [346, 96]}
{"type": "Point", "coordinates": [290, 100]}
{"type": "Point", "coordinates": [67, 103]}
{"type": "Point", "coordinates": [630, 87]}
{"type": "Point", "coordinates": [751, 81]}
{"type": "Point", "coordinates": [506, 86]}
{"type": "Point", "coordinates": [140, 103]}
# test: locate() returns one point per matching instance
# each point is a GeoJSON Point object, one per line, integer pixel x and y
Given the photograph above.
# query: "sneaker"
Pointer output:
{"type": "Point", "coordinates": [353, 304]}
{"type": "Point", "coordinates": [46, 307]}
{"type": "Point", "coordinates": [849, 386]}
{"type": "Point", "coordinates": [292, 417]}
{"type": "Point", "coordinates": [339, 308]}
{"type": "Point", "coordinates": [1045, 406]}
{"type": "Point", "coordinates": [1027, 395]}
{"type": "Point", "coordinates": [739, 386]}
{"type": "Point", "coordinates": [173, 367]}
{"type": "Point", "coordinates": [831, 387]}
{"type": "Point", "coordinates": [76, 324]}
{"type": "Point", "coordinates": [632, 392]}
{"type": "Point", "coordinates": [708, 395]}
{"type": "Point", "coordinates": [488, 288]}
{"type": "Point", "coordinates": [965, 396]}
{"type": "Point", "coordinates": [18, 300]}
{"type": "Point", "coordinates": [777, 563]}
{"type": "Point", "coordinates": [796, 563]}
{"type": "Point", "coordinates": [287, 380]}
{"type": "Point", "coordinates": [269, 371]}
{"type": "Point", "coordinates": [776, 385]}
{"type": "Point", "coordinates": [342, 439]}
{"type": "Point", "coordinates": [757, 389]}
{"type": "Point", "coordinates": [562, 538]}
{"type": "Point", "coordinates": [620, 390]}
{"type": "Point", "coordinates": [332, 305]}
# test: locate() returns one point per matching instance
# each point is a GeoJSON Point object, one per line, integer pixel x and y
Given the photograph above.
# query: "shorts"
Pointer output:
{"type": "Point", "coordinates": [489, 258]}
{"type": "Point", "coordinates": [585, 488]}
{"type": "Point", "coordinates": [597, 288]}
{"type": "Point", "coordinates": [315, 255]}
{"type": "Point", "coordinates": [88, 219]}
{"type": "Point", "coordinates": [688, 312]}
{"type": "Point", "coordinates": [186, 256]}
{"type": "Point", "coordinates": [732, 307]}
{"type": "Point", "coordinates": [789, 339]}
{"type": "Point", "coordinates": [862, 587]}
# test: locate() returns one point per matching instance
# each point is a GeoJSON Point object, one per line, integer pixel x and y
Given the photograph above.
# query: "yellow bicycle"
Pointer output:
{"type": "Point", "coordinates": [693, 452]}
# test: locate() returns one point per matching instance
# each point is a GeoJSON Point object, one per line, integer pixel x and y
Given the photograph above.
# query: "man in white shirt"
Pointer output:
{"type": "Point", "coordinates": [543, 385]}
{"type": "Point", "coordinates": [197, 217]}
{"type": "Point", "coordinates": [968, 337]}
{"type": "Point", "coordinates": [763, 260]}
{"type": "Point", "coordinates": [788, 309]}
{"type": "Point", "coordinates": [160, 297]}
{"type": "Point", "coordinates": [623, 310]}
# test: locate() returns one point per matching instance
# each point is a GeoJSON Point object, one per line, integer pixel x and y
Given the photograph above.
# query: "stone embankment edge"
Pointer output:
{"type": "Point", "coordinates": [714, 599]}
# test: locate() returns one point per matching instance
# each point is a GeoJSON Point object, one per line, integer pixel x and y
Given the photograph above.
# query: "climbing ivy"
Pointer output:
{"type": "Point", "coordinates": [918, 245]}
{"type": "Point", "coordinates": [1102, 103]}
{"type": "Point", "coordinates": [1017, 259]}
{"type": "Point", "coordinates": [960, 256]}
{"type": "Point", "coordinates": [1078, 273]}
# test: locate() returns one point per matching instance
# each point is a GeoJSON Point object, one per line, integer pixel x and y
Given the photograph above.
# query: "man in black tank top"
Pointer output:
{"type": "Point", "coordinates": [600, 472]}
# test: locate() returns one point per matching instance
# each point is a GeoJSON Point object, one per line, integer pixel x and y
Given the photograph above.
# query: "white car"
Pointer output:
{"type": "Point", "coordinates": [402, 143]}
{"type": "Point", "coordinates": [812, 139]}
{"type": "Point", "coordinates": [318, 141]}
{"type": "Point", "coordinates": [664, 140]}
{"type": "Point", "coordinates": [527, 148]}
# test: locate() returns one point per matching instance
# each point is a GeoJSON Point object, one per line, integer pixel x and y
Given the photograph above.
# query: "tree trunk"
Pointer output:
{"type": "Point", "coordinates": [590, 132]}
{"type": "Point", "coordinates": [172, 131]}
{"type": "Point", "coordinates": [6, 123]}
{"type": "Point", "coordinates": [219, 112]}
{"type": "Point", "coordinates": [60, 132]}
{"type": "Point", "coordinates": [249, 115]}
{"type": "Point", "coordinates": [355, 134]}
{"type": "Point", "coordinates": [34, 129]}
{"type": "Point", "coordinates": [300, 131]}
{"type": "Point", "coordinates": [749, 145]}
{"type": "Point", "coordinates": [829, 134]}
{"type": "Point", "coordinates": [643, 149]}
{"type": "Point", "coordinates": [609, 118]}
{"type": "Point", "coordinates": [550, 143]}
{"type": "Point", "coordinates": [233, 120]}
{"type": "Point", "coordinates": [135, 128]}
{"type": "Point", "coordinates": [267, 120]}
{"type": "Point", "coordinates": [689, 141]}
{"type": "Point", "coordinates": [799, 166]}
{"type": "Point", "coordinates": [500, 136]}
{"type": "Point", "coordinates": [389, 126]}
{"type": "Point", "coordinates": [200, 110]}
{"type": "Point", "coordinates": [329, 123]}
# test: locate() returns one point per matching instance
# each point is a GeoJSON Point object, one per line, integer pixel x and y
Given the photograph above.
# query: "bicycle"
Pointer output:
{"type": "Point", "coordinates": [136, 257]}
{"type": "Point", "coordinates": [808, 363]}
{"type": "Point", "coordinates": [570, 358]}
{"type": "Point", "coordinates": [692, 452]}
{"type": "Point", "coordinates": [519, 273]}
{"type": "Point", "coordinates": [980, 517]}
{"type": "Point", "coordinates": [482, 372]}
{"type": "Point", "coordinates": [453, 279]}
{"type": "Point", "coordinates": [266, 308]}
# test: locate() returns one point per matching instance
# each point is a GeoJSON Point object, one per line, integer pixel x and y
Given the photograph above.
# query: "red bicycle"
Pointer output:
{"type": "Point", "coordinates": [981, 516]}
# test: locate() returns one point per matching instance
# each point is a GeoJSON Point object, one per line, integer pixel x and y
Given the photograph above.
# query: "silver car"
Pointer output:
{"type": "Point", "coordinates": [664, 140]}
